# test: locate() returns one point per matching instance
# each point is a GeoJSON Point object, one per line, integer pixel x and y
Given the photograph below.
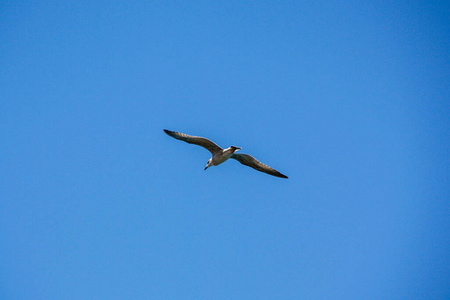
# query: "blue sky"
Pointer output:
{"type": "Point", "coordinates": [349, 99]}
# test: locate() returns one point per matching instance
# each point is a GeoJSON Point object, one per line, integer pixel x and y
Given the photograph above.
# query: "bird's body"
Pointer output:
{"type": "Point", "coordinates": [223, 155]}
{"type": "Point", "coordinates": [220, 155]}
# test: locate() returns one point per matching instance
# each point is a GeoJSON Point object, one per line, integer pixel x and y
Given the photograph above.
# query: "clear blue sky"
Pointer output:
{"type": "Point", "coordinates": [350, 99]}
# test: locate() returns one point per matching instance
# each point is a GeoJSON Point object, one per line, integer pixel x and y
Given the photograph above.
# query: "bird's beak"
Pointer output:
{"type": "Point", "coordinates": [206, 167]}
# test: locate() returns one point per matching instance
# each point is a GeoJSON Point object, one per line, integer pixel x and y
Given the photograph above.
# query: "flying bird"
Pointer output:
{"type": "Point", "coordinates": [220, 155]}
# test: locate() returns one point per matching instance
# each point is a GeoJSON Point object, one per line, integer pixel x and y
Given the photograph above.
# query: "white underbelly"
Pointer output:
{"type": "Point", "coordinates": [220, 158]}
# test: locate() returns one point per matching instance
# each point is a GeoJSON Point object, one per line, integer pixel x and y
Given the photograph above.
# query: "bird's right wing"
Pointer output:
{"type": "Point", "coordinates": [196, 140]}
{"type": "Point", "coordinates": [250, 161]}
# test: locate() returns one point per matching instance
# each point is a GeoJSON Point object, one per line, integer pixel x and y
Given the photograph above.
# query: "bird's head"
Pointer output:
{"type": "Point", "coordinates": [235, 148]}
{"type": "Point", "coordinates": [208, 164]}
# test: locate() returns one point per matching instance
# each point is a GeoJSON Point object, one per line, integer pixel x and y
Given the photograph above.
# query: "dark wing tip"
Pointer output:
{"type": "Point", "coordinates": [278, 174]}
{"type": "Point", "coordinates": [172, 134]}
{"type": "Point", "coordinates": [169, 132]}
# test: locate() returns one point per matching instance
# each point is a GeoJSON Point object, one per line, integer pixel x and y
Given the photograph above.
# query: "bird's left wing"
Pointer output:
{"type": "Point", "coordinates": [250, 161]}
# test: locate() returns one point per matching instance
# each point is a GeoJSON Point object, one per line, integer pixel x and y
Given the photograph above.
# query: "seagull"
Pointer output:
{"type": "Point", "coordinates": [220, 155]}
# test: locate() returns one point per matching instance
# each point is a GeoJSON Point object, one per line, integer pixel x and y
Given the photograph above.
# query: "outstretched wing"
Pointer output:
{"type": "Point", "coordinates": [250, 161]}
{"type": "Point", "coordinates": [196, 140]}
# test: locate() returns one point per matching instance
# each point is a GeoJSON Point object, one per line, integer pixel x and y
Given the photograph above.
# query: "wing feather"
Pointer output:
{"type": "Point", "coordinates": [196, 140]}
{"type": "Point", "coordinates": [250, 161]}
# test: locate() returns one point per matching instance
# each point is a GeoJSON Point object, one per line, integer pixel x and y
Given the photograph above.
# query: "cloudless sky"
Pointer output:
{"type": "Point", "coordinates": [350, 99]}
